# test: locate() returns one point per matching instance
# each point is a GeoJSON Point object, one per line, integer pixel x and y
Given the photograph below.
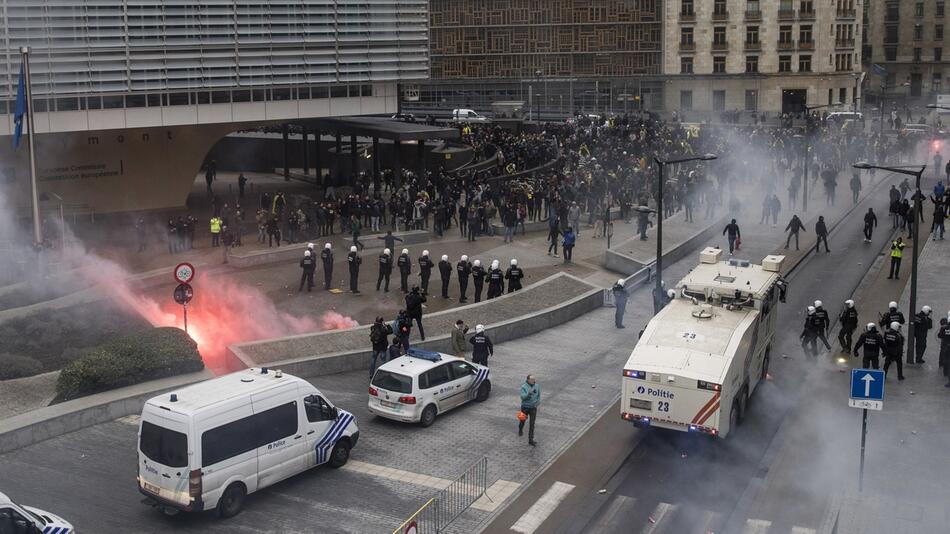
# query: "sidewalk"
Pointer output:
{"type": "Point", "coordinates": [905, 475]}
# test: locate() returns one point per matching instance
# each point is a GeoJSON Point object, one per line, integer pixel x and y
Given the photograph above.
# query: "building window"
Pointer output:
{"type": "Point", "coordinates": [752, 6]}
{"type": "Point", "coordinates": [686, 100]}
{"type": "Point", "coordinates": [935, 84]}
{"type": "Point", "coordinates": [719, 100]}
{"type": "Point", "coordinates": [752, 63]}
{"type": "Point", "coordinates": [938, 55]}
{"type": "Point", "coordinates": [893, 13]}
{"type": "Point", "coordinates": [917, 53]}
{"type": "Point", "coordinates": [919, 9]}
{"type": "Point", "coordinates": [719, 7]}
{"type": "Point", "coordinates": [686, 65]}
{"type": "Point", "coordinates": [719, 64]}
{"type": "Point", "coordinates": [807, 6]}
{"type": "Point", "coordinates": [938, 32]}
{"type": "Point", "coordinates": [686, 36]}
{"type": "Point", "coordinates": [918, 32]}
{"type": "Point", "coordinates": [752, 35]}
{"type": "Point", "coordinates": [831, 97]}
{"type": "Point", "coordinates": [843, 95]}
{"type": "Point", "coordinates": [688, 8]}
{"type": "Point", "coordinates": [785, 63]}
{"type": "Point", "coordinates": [804, 63]}
{"type": "Point", "coordinates": [719, 35]}
{"type": "Point", "coordinates": [941, 6]}
{"type": "Point", "coordinates": [890, 54]}
{"type": "Point", "coordinates": [804, 34]}
{"type": "Point", "coordinates": [890, 35]}
{"type": "Point", "coordinates": [785, 34]}
{"type": "Point", "coordinates": [751, 100]}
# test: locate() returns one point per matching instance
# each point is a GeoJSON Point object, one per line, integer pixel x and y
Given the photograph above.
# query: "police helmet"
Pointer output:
{"type": "Point", "coordinates": [811, 310]}
{"type": "Point", "coordinates": [817, 303]}
{"type": "Point", "coordinates": [477, 263]}
{"type": "Point", "coordinates": [895, 325]}
{"type": "Point", "coordinates": [871, 327]}
{"type": "Point", "coordinates": [405, 251]}
{"type": "Point", "coordinates": [927, 310]}
{"type": "Point", "coordinates": [514, 262]}
{"type": "Point", "coordinates": [309, 245]}
{"type": "Point", "coordinates": [353, 248]}
{"type": "Point", "coordinates": [386, 251]}
{"type": "Point", "coordinates": [425, 253]}
{"type": "Point", "coordinates": [494, 265]}
{"type": "Point", "coordinates": [445, 257]}
{"type": "Point", "coordinates": [892, 305]}
{"type": "Point", "coordinates": [849, 303]}
{"type": "Point", "coordinates": [327, 246]}
{"type": "Point", "coordinates": [671, 293]}
{"type": "Point", "coordinates": [464, 257]}
{"type": "Point", "coordinates": [479, 328]}
{"type": "Point", "coordinates": [306, 254]}
{"type": "Point", "coordinates": [620, 281]}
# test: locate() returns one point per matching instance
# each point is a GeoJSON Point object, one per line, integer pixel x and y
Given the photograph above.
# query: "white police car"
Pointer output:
{"type": "Point", "coordinates": [17, 519]}
{"type": "Point", "coordinates": [417, 387]}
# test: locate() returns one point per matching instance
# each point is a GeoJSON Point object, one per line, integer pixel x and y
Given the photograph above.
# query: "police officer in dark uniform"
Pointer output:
{"type": "Point", "coordinates": [496, 281]}
{"type": "Point", "coordinates": [849, 323]}
{"type": "Point", "coordinates": [309, 265]}
{"type": "Point", "coordinates": [425, 271]}
{"type": "Point", "coordinates": [894, 349]}
{"type": "Point", "coordinates": [873, 343]}
{"type": "Point", "coordinates": [405, 267]}
{"type": "Point", "coordinates": [892, 315]}
{"type": "Point", "coordinates": [514, 276]}
{"type": "Point", "coordinates": [385, 268]}
{"type": "Point", "coordinates": [445, 270]}
{"type": "Point", "coordinates": [464, 269]}
{"type": "Point", "coordinates": [923, 323]}
{"type": "Point", "coordinates": [822, 323]}
{"type": "Point", "coordinates": [482, 347]}
{"type": "Point", "coordinates": [478, 277]}
{"type": "Point", "coordinates": [414, 302]}
{"type": "Point", "coordinates": [327, 256]}
{"type": "Point", "coordinates": [354, 260]}
{"type": "Point", "coordinates": [809, 333]}
{"type": "Point", "coordinates": [944, 334]}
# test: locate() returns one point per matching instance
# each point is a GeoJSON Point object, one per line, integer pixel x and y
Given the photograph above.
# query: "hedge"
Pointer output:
{"type": "Point", "coordinates": [146, 355]}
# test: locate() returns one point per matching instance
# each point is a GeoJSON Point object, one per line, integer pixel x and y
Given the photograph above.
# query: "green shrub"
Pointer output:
{"type": "Point", "coordinates": [16, 366]}
{"type": "Point", "coordinates": [146, 355]}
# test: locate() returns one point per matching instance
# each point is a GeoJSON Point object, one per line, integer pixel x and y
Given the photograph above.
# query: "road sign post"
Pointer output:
{"type": "Point", "coordinates": [867, 393]}
{"type": "Point", "coordinates": [184, 273]}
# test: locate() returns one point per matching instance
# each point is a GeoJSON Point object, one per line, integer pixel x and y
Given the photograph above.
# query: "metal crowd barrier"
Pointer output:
{"type": "Point", "coordinates": [449, 503]}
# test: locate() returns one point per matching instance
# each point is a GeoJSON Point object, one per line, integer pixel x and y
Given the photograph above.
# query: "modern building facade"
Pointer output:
{"type": "Point", "coordinates": [770, 56]}
{"type": "Point", "coordinates": [555, 56]}
{"type": "Point", "coordinates": [129, 95]}
{"type": "Point", "coordinates": [906, 38]}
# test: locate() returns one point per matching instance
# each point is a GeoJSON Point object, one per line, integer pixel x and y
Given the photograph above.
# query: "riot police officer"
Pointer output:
{"type": "Point", "coordinates": [496, 281]}
{"type": "Point", "coordinates": [873, 343]}
{"type": "Point", "coordinates": [385, 268]}
{"type": "Point", "coordinates": [482, 346]}
{"type": "Point", "coordinates": [923, 323]}
{"type": "Point", "coordinates": [425, 271]}
{"type": "Point", "coordinates": [327, 256]}
{"type": "Point", "coordinates": [405, 267]}
{"type": "Point", "coordinates": [892, 315]}
{"type": "Point", "coordinates": [809, 333]}
{"type": "Point", "coordinates": [894, 349]}
{"type": "Point", "coordinates": [354, 260]}
{"type": "Point", "coordinates": [478, 278]}
{"type": "Point", "coordinates": [308, 264]}
{"type": "Point", "coordinates": [849, 323]}
{"type": "Point", "coordinates": [514, 276]}
{"type": "Point", "coordinates": [822, 323]}
{"type": "Point", "coordinates": [943, 333]}
{"type": "Point", "coordinates": [445, 271]}
{"type": "Point", "coordinates": [464, 270]}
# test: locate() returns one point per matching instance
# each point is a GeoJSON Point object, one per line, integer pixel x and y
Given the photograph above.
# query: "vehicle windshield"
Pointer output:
{"type": "Point", "coordinates": [164, 446]}
{"type": "Point", "coordinates": [392, 382]}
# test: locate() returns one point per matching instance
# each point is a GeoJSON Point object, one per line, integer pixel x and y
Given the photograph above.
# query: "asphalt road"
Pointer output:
{"type": "Point", "coordinates": [674, 482]}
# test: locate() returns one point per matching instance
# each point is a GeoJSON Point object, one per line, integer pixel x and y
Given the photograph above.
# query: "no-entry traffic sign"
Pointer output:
{"type": "Point", "coordinates": [184, 272]}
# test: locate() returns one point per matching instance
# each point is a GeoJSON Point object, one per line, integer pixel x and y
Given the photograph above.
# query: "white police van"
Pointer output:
{"type": "Point", "coordinates": [209, 445]}
{"type": "Point", "coordinates": [417, 387]}
{"type": "Point", "coordinates": [17, 519]}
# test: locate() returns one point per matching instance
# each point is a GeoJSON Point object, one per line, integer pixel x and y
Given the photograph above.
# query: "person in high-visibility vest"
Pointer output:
{"type": "Point", "coordinates": [215, 230]}
{"type": "Point", "coordinates": [897, 252]}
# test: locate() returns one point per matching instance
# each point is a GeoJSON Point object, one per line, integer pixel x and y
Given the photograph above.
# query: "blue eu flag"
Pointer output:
{"type": "Point", "coordinates": [20, 110]}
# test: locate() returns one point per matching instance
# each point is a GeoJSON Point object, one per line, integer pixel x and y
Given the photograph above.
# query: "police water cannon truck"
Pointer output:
{"type": "Point", "coordinates": [701, 357]}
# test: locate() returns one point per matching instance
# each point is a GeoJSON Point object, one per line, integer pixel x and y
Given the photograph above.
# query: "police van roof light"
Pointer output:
{"type": "Point", "coordinates": [425, 354]}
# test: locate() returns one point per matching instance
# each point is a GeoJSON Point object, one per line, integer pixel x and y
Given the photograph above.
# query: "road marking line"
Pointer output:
{"type": "Point", "coordinates": [130, 420]}
{"type": "Point", "coordinates": [803, 530]}
{"type": "Point", "coordinates": [708, 521]}
{"type": "Point", "coordinates": [496, 494]}
{"type": "Point", "coordinates": [756, 526]}
{"type": "Point", "coordinates": [612, 516]}
{"type": "Point", "coordinates": [661, 511]}
{"type": "Point", "coordinates": [544, 507]}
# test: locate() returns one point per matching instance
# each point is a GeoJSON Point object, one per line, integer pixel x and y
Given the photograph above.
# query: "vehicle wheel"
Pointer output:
{"type": "Point", "coordinates": [232, 500]}
{"type": "Point", "coordinates": [340, 454]}
{"type": "Point", "coordinates": [483, 391]}
{"type": "Point", "coordinates": [428, 416]}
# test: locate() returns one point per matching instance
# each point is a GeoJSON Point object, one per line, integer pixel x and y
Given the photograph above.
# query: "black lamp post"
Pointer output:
{"type": "Point", "coordinates": [658, 295]}
{"type": "Point", "coordinates": [913, 265]}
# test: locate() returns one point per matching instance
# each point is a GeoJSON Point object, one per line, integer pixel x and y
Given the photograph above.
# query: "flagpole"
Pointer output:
{"type": "Point", "coordinates": [37, 227]}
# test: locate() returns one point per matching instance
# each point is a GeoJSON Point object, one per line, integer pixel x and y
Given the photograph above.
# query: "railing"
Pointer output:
{"type": "Point", "coordinates": [806, 45]}
{"type": "Point", "coordinates": [846, 13]}
{"type": "Point", "coordinates": [718, 47]}
{"type": "Point", "coordinates": [687, 47]}
{"type": "Point", "coordinates": [806, 15]}
{"type": "Point", "coordinates": [786, 14]}
{"type": "Point", "coordinates": [448, 504]}
{"type": "Point", "coordinates": [844, 43]}
{"type": "Point", "coordinates": [786, 45]}
{"type": "Point", "coordinates": [752, 47]}
{"type": "Point", "coordinates": [719, 17]}
{"type": "Point", "coordinates": [753, 14]}
{"type": "Point", "coordinates": [688, 17]}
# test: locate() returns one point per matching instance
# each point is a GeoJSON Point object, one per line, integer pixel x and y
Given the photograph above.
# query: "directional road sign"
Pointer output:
{"type": "Point", "coordinates": [867, 389]}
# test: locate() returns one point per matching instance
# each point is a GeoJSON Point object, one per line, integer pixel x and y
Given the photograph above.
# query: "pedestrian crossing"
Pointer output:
{"type": "Point", "coordinates": [625, 514]}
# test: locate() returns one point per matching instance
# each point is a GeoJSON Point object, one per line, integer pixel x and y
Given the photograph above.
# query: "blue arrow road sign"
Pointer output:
{"type": "Point", "coordinates": [867, 384]}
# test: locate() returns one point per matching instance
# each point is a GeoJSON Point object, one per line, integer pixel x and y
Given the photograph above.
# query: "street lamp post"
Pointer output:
{"type": "Point", "coordinates": [658, 295]}
{"type": "Point", "coordinates": [916, 240]}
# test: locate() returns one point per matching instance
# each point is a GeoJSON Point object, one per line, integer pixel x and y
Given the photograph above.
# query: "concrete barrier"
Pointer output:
{"type": "Point", "coordinates": [623, 263]}
{"type": "Point", "coordinates": [290, 253]}
{"type": "Point", "coordinates": [354, 353]}
{"type": "Point", "coordinates": [51, 421]}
